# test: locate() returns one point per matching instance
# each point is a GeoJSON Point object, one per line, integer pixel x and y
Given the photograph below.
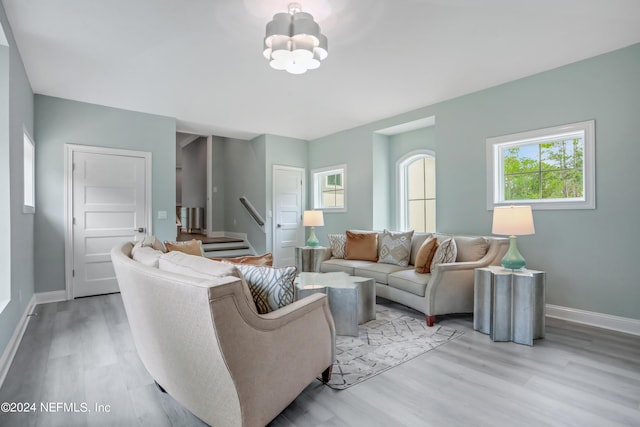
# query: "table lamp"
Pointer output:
{"type": "Point", "coordinates": [513, 221]}
{"type": "Point", "coordinates": [312, 219]}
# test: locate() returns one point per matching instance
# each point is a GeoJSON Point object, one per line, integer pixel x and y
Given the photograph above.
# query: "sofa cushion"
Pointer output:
{"type": "Point", "coordinates": [409, 280]}
{"type": "Point", "coordinates": [191, 247]}
{"type": "Point", "coordinates": [337, 242]}
{"type": "Point", "coordinates": [146, 255]}
{"type": "Point", "coordinates": [471, 248]}
{"type": "Point", "coordinates": [416, 242]}
{"type": "Point", "coordinates": [271, 288]}
{"type": "Point", "coordinates": [377, 271]}
{"type": "Point", "coordinates": [346, 266]}
{"type": "Point", "coordinates": [395, 247]}
{"type": "Point", "coordinates": [426, 254]}
{"type": "Point", "coordinates": [446, 251]}
{"type": "Point", "coordinates": [361, 246]}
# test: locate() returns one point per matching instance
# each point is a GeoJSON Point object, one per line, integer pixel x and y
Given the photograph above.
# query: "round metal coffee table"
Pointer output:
{"type": "Point", "coordinates": [352, 299]}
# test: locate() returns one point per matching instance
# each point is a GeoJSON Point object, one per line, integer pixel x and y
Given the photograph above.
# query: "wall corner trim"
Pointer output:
{"type": "Point", "coordinates": [599, 320]}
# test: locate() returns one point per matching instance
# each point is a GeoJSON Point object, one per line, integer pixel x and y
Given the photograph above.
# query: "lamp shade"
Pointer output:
{"type": "Point", "coordinates": [313, 219]}
{"type": "Point", "coordinates": [513, 220]}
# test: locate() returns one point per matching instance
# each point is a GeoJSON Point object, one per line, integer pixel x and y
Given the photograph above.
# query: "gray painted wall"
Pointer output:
{"type": "Point", "coordinates": [16, 114]}
{"type": "Point", "coordinates": [245, 176]}
{"type": "Point", "coordinates": [588, 254]}
{"type": "Point", "coordinates": [218, 177]}
{"type": "Point", "coordinates": [194, 174]}
{"type": "Point", "coordinates": [60, 121]}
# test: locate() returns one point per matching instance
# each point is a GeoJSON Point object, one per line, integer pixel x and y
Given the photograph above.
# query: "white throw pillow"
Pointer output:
{"type": "Point", "coordinates": [446, 252]}
{"type": "Point", "coordinates": [146, 255]}
{"type": "Point", "coordinates": [196, 266]}
{"type": "Point", "coordinates": [203, 268]}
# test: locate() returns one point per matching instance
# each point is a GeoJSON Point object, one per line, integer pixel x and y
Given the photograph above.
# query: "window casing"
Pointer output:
{"type": "Point", "coordinates": [551, 168]}
{"type": "Point", "coordinates": [330, 188]}
{"type": "Point", "coordinates": [417, 191]}
{"type": "Point", "coordinates": [29, 204]}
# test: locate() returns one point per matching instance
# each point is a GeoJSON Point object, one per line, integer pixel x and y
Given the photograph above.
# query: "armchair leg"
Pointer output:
{"type": "Point", "coordinates": [431, 320]}
{"type": "Point", "coordinates": [160, 387]}
{"type": "Point", "coordinates": [326, 374]}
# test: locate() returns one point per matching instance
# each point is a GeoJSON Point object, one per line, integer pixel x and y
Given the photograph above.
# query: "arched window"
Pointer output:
{"type": "Point", "coordinates": [417, 191]}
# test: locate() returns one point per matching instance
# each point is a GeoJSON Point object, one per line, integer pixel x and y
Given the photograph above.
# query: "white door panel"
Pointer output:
{"type": "Point", "coordinates": [109, 204]}
{"type": "Point", "coordinates": [288, 202]}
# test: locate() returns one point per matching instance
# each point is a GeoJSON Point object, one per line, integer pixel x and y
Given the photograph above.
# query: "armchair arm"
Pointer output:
{"type": "Point", "coordinates": [271, 357]}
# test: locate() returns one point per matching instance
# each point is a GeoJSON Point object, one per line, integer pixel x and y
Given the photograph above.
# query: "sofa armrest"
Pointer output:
{"type": "Point", "coordinates": [450, 289]}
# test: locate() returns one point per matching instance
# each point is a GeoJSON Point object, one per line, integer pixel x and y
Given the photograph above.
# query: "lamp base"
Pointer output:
{"type": "Point", "coordinates": [312, 240]}
{"type": "Point", "coordinates": [512, 259]}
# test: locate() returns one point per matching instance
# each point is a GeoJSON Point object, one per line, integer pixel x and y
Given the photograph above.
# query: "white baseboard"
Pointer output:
{"type": "Point", "coordinates": [12, 346]}
{"type": "Point", "coordinates": [16, 338]}
{"type": "Point", "coordinates": [46, 297]}
{"type": "Point", "coordinates": [600, 320]}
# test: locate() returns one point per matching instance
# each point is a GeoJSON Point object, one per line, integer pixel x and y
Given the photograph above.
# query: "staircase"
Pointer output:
{"type": "Point", "coordinates": [221, 247]}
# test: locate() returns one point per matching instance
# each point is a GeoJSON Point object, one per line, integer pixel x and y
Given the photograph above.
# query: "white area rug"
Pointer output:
{"type": "Point", "coordinates": [391, 339]}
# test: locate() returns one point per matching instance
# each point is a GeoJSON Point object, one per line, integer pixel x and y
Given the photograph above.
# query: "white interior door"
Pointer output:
{"type": "Point", "coordinates": [110, 205]}
{"type": "Point", "coordinates": [288, 199]}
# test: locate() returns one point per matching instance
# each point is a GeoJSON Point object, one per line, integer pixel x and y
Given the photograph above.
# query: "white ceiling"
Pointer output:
{"type": "Point", "coordinates": [201, 61]}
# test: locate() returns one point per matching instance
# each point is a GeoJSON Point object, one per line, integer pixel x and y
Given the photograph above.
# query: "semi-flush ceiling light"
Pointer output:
{"type": "Point", "coordinates": [293, 41]}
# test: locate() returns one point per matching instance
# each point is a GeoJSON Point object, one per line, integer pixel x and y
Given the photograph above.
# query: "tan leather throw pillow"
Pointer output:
{"type": "Point", "coordinates": [264, 260]}
{"type": "Point", "coordinates": [191, 247]}
{"type": "Point", "coordinates": [425, 255]}
{"type": "Point", "coordinates": [361, 246]}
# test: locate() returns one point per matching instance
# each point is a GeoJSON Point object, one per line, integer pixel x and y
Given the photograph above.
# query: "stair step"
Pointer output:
{"type": "Point", "coordinates": [224, 246]}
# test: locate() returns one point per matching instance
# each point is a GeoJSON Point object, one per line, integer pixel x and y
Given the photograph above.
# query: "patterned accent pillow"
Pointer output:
{"type": "Point", "coordinates": [395, 247]}
{"type": "Point", "coordinates": [446, 252]}
{"type": "Point", "coordinates": [337, 242]}
{"type": "Point", "coordinates": [271, 288]}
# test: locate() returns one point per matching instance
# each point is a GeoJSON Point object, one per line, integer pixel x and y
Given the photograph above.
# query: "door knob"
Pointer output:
{"type": "Point", "coordinates": [279, 225]}
{"type": "Point", "coordinates": [139, 230]}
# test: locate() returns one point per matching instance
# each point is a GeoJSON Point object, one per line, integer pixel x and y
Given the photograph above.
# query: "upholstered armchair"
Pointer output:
{"type": "Point", "coordinates": [208, 348]}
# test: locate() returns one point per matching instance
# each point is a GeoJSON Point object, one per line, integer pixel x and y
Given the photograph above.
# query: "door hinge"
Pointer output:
{"type": "Point", "coordinates": [74, 221]}
{"type": "Point", "coordinates": [73, 273]}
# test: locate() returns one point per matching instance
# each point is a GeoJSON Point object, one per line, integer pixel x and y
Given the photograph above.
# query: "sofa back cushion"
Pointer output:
{"type": "Point", "coordinates": [361, 246]}
{"type": "Point", "coordinates": [471, 248]}
{"type": "Point", "coordinates": [395, 247]}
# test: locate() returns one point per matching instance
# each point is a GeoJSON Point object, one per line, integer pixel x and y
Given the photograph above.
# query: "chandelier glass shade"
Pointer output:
{"type": "Point", "coordinates": [293, 41]}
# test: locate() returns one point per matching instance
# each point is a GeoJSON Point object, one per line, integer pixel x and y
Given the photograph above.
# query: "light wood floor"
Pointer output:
{"type": "Point", "coordinates": [81, 351]}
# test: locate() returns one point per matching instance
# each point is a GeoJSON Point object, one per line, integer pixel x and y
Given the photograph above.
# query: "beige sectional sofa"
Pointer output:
{"type": "Point", "coordinates": [446, 289]}
{"type": "Point", "coordinates": [202, 340]}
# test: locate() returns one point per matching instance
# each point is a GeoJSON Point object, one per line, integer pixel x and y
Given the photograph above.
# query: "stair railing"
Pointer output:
{"type": "Point", "coordinates": [252, 211]}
